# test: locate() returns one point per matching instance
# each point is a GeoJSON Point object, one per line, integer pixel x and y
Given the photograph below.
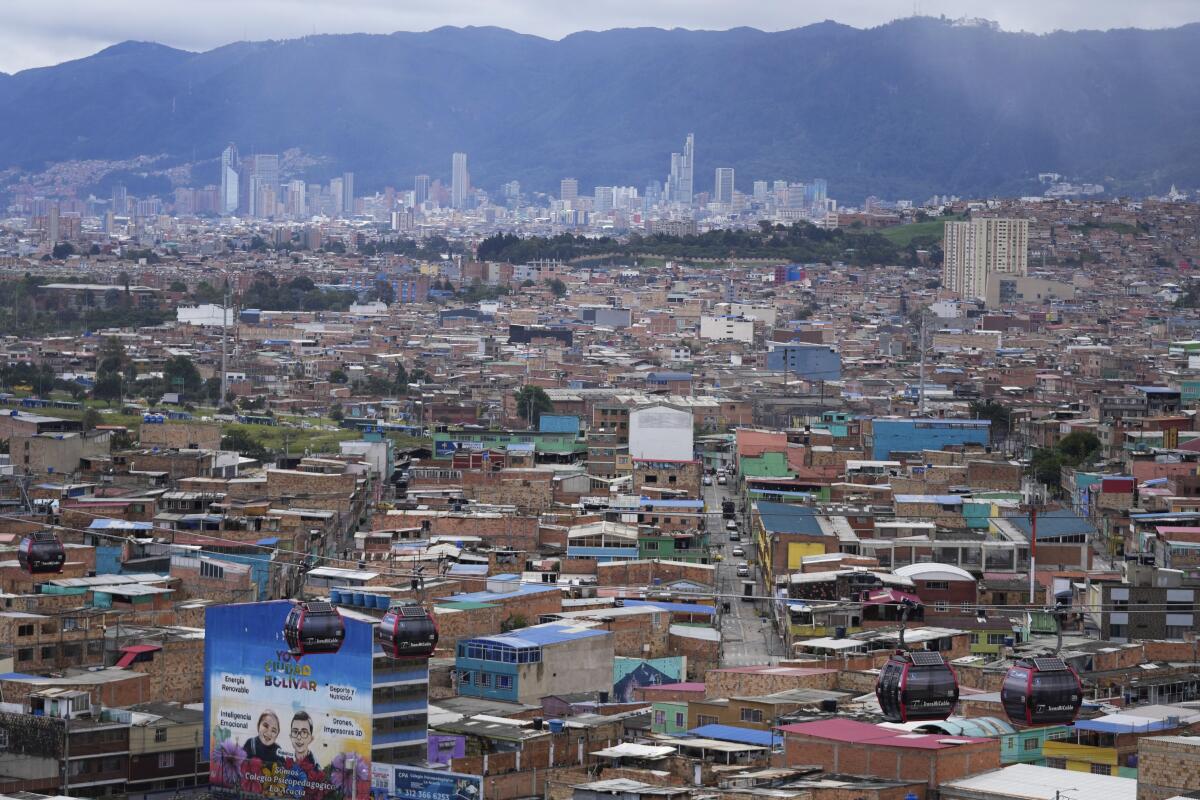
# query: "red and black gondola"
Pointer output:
{"type": "Point", "coordinates": [916, 686]}
{"type": "Point", "coordinates": [312, 628]}
{"type": "Point", "coordinates": [1041, 690]}
{"type": "Point", "coordinates": [41, 553]}
{"type": "Point", "coordinates": [407, 630]}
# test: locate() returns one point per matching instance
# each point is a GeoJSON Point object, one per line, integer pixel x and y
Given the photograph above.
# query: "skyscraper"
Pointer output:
{"type": "Point", "coordinates": [603, 198]}
{"type": "Point", "coordinates": [685, 178]}
{"type": "Point", "coordinates": [982, 247]}
{"type": "Point", "coordinates": [568, 189]}
{"type": "Point", "coordinates": [420, 189]}
{"type": "Point", "coordinates": [679, 182]}
{"type": "Point", "coordinates": [723, 186]}
{"type": "Point", "coordinates": [760, 191]}
{"type": "Point", "coordinates": [227, 202]}
{"type": "Point", "coordinates": [348, 193]}
{"type": "Point", "coordinates": [337, 195]}
{"type": "Point", "coordinates": [120, 199]}
{"type": "Point", "coordinates": [259, 174]}
{"type": "Point", "coordinates": [460, 180]}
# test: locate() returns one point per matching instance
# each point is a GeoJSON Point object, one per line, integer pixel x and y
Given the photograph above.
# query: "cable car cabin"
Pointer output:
{"type": "Point", "coordinates": [41, 553]}
{"type": "Point", "coordinates": [407, 630]}
{"type": "Point", "coordinates": [915, 686]}
{"type": "Point", "coordinates": [1041, 691]}
{"type": "Point", "coordinates": [314, 627]}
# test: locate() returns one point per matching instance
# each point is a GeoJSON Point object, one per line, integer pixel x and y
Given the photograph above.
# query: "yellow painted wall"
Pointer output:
{"type": "Point", "coordinates": [798, 550]}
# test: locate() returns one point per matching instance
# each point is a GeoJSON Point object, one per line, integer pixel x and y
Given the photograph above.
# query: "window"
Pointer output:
{"type": "Point", "coordinates": [504, 681]}
{"type": "Point", "coordinates": [485, 679]}
{"type": "Point", "coordinates": [660, 718]}
{"type": "Point", "coordinates": [940, 585]}
{"type": "Point", "coordinates": [996, 638]}
{"type": "Point", "coordinates": [24, 630]}
{"type": "Point", "coordinates": [48, 652]}
{"type": "Point", "coordinates": [1101, 769]}
{"type": "Point", "coordinates": [1032, 744]}
{"type": "Point", "coordinates": [752, 715]}
{"type": "Point", "coordinates": [705, 719]}
{"type": "Point", "coordinates": [211, 570]}
{"type": "Point", "coordinates": [160, 734]}
{"type": "Point", "coordinates": [464, 679]}
{"type": "Point", "coordinates": [1177, 631]}
{"type": "Point", "coordinates": [650, 545]}
{"type": "Point", "coordinates": [1056, 763]}
{"type": "Point", "coordinates": [941, 605]}
{"type": "Point", "coordinates": [166, 760]}
{"type": "Point", "coordinates": [974, 638]}
{"type": "Point", "coordinates": [680, 719]}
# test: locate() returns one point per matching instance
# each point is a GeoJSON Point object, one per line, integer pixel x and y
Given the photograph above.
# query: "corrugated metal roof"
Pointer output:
{"type": "Point", "coordinates": [786, 518]}
{"type": "Point", "coordinates": [1029, 782]}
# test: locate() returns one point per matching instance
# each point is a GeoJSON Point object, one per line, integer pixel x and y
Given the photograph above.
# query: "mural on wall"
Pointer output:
{"type": "Point", "coordinates": [284, 725]}
{"type": "Point", "coordinates": [630, 673]}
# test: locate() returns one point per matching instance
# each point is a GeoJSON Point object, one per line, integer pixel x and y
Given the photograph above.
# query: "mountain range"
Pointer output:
{"type": "Point", "coordinates": [907, 109]}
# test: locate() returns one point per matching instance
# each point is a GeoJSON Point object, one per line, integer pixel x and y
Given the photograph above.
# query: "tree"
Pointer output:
{"type": "Point", "coordinates": [181, 375]}
{"type": "Point", "coordinates": [239, 440]}
{"type": "Point", "coordinates": [1074, 450]}
{"type": "Point", "coordinates": [338, 376]}
{"type": "Point", "coordinates": [91, 418]}
{"type": "Point", "coordinates": [999, 415]}
{"type": "Point", "coordinates": [336, 414]}
{"type": "Point", "coordinates": [532, 402]}
{"type": "Point", "coordinates": [107, 387]}
{"type": "Point", "coordinates": [178, 286]}
{"type": "Point", "coordinates": [557, 287]}
{"type": "Point", "coordinates": [63, 250]}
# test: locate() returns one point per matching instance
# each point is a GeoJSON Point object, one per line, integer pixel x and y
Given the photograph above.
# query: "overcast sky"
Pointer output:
{"type": "Point", "coordinates": [37, 33]}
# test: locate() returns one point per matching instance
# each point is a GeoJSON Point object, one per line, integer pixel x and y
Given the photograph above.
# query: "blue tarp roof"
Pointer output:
{"type": "Point", "coordinates": [732, 733]}
{"type": "Point", "coordinates": [269, 541]}
{"type": "Point", "coordinates": [787, 518]}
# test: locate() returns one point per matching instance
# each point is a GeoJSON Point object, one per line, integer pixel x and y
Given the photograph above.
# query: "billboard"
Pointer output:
{"type": "Point", "coordinates": [285, 726]}
{"type": "Point", "coordinates": [397, 782]}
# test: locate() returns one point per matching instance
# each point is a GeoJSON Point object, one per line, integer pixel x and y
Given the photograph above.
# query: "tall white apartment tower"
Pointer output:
{"type": "Point", "coordinates": [981, 247]}
{"type": "Point", "coordinates": [228, 201]}
{"type": "Point", "coordinates": [723, 186]}
{"type": "Point", "coordinates": [460, 180]}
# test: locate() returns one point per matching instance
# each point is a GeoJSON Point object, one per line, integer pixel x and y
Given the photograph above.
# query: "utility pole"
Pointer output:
{"type": "Point", "coordinates": [921, 389]}
{"type": "Point", "coordinates": [1032, 549]}
{"type": "Point", "coordinates": [224, 336]}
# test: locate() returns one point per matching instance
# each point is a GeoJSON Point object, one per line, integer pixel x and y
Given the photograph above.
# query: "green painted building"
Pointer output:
{"type": "Point", "coordinates": [669, 717]}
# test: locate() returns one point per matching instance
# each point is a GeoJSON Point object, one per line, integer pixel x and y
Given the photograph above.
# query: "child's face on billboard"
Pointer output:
{"type": "Point", "coordinates": [268, 729]}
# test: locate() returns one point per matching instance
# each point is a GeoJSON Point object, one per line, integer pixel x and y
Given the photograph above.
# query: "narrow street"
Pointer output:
{"type": "Point", "coordinates": [747, 639]}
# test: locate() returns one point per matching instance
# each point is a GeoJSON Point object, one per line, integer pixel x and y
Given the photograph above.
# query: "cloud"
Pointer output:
{"type": "Point", "coordinates": [38, 33]}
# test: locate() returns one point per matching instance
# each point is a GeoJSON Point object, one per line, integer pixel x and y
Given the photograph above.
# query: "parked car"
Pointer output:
{"type": "Point", "coordinates": [707, 481]}
{"type": "Point", "coordinates": [734, 536]}
{"type": "Point", "coordinates": [721, 481]}
{"type": "Point", "coordinates": [743, 570]}
{"type": "Point", "coordinates": [737, 551]}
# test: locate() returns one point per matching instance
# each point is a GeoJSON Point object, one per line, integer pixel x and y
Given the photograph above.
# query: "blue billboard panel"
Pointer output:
{"type": "Point", "coordinates": [397, 782]}
{"type": "Point", "coordinates": [279, 725]}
